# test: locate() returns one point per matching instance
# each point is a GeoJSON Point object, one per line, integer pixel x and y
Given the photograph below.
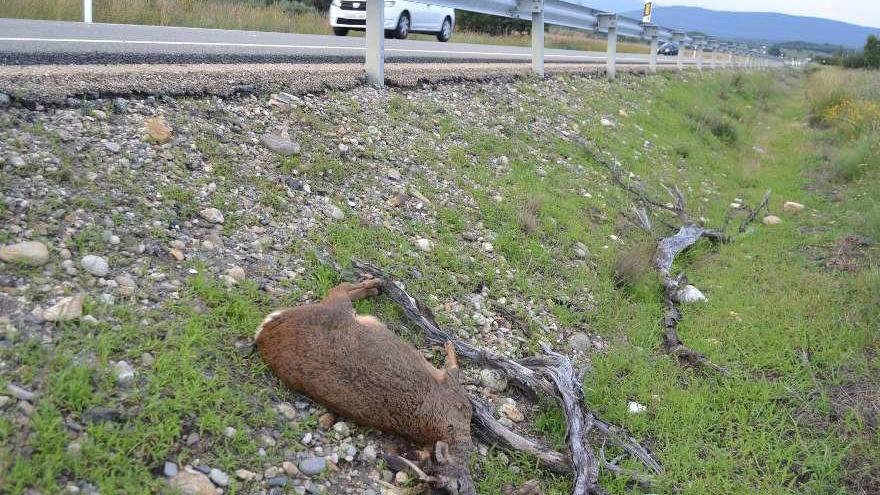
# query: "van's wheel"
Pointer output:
{"type": "Point", "coordinates": [445, 30]}
{"type": "Point", "coordinates": [402, 29]}
{"type": "Point", "coordinates": [340, 31]}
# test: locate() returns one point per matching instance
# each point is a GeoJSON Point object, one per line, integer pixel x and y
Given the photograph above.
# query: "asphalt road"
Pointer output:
{"type": "Point", "coordinates": [52, 42]}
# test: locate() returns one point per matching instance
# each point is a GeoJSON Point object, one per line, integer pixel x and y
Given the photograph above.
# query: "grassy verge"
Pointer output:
{"type": "Point", "coordinates": [792, 311]}
{"type": "Point", "coordinates": [220, 14]}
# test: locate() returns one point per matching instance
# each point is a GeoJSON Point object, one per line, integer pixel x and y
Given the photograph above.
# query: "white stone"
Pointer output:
{"type": "Point", "coordinates": [425, 244]}
{"type": "Point", "coordinates": [792, 207]}
{"type": "Point", "coordinates": [493, 380]}
{"type": "Point", "coordinates": [334, 212]}
{"type": "Point", "coordinates": [690, 294]}
{"type": "Point", "coordinates": [512, 412]}
{"type": "Point", "coordinates": [772, 220]}
{"type": "Point", "coordinates": [488, 247]}
{"type": "Point", "coordinates": [212, 215]}
{"type": "Point", "coordinates": [636, 408]}
{"type": "Point", "coordinates": [245, 475]}
{"type": "Point", "coordinates": [33, 253]}
{"type": "Point", "coordinates": [96, 265]}
{"type": "Point", "coordinates": [124, 372]}
{"type": "Point", "coordinates": [606, 122]}
{"type": "Point", "coordinates": [68, 308]}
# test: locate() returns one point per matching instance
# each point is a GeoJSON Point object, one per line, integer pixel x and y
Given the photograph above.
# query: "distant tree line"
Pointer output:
{"type": "Point", "coordinates": [868, 58]}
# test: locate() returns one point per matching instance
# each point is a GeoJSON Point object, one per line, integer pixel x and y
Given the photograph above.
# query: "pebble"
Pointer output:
{"type": "Point", "coordinates": [212, 215]}
{"type": "Point", "coordinates": [580, 342]}
{"type": "Point", "coordinates": [124, 372]}
{"type": "Point", "coordinates": [32, 253]}
{"type": "Point", "coordinates": [342, 429]}
{"type": "Point", "coordinates": [280, 144]}
{"type": "Point", "coordinates": [96, 265]}
{"type": "Point", "coordinates": [16, 160]}
{"type": "Point", "coordinates": [20, 393]}
{"type": "Point", "coordinates": [493, 380]}
{"type": "Point", "coordinates": [488, 247]}
{"type": "Point", "coordinates": [170, 469]}
{"type": "Point", "coordinates": [326, 420]}
{"type": "Point", "coordinates": [67, 309]}
{"type": "Point", "coordinates": [312, 466]}
{"type": "Point", "coordinates": [369, 454]}
{"type": "Point", "coordinates": [606, 122]}
{"type": "Point", "coordinates": [334, 212]}
{"type": "Point", "coordinates": [236, 273]}
{"type": "Point", "coordinates": [245, 475]}
{"type": "Point", "coordinates": [290, 468]}
{"type": "Point", "coordinates": [219, 477]}
{"type": "Point", "coordinates": [286, 410]}
{"type": "Point", "coordinates": [278, 481]}
{"type": "Point", "coordinates": [425, 245]}
{"type": "Point", "coordinates": [190, 482]}
{"type": "Point", "coordinates": [113, 147]}
{"type": "Point", "coordinates": [229, 432]}
{"type": "Point", "coordinates": [772, 220]}
{"type": "Point", "coordinates": [512, 412]}
{"type": "Point", "coordinates": [5, 100]}
{"type": "Point", "coordinates": [792, 207]}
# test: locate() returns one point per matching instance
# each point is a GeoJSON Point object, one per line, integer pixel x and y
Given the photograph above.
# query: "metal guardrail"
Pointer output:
{"type": "Point", "coordinates": [573, 15]}
{"type": "Point", "coordinates": [567, 14]}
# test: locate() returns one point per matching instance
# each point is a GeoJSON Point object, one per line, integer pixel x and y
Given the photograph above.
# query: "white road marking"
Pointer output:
{"type": "Point", "coordinates": [312, 47]}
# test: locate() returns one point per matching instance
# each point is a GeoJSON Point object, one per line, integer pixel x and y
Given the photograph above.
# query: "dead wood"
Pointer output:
{"type": "Point", "coordinates": [578, 419]}
{"type": "Point", "coordinates": [754, 213]}
{"type": "Point", "coordinates": [667, 249]}
{"type": "Point", "coordinates": [549, 373]}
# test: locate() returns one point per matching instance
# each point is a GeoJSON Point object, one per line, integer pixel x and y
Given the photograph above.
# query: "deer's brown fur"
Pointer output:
{"type": "Point", "coordinates": [357, 367]}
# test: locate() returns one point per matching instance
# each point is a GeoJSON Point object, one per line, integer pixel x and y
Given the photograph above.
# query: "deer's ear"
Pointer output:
{"type": "Point", "coordinates": [441, 452]}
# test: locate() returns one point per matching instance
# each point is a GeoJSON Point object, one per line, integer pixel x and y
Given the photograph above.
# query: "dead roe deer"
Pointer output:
{"type": "Point", "coordinates": [357, 367]}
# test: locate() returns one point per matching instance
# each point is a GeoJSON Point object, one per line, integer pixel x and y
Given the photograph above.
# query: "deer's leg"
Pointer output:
{"type": "Point", "coordinates": [451, 358]}
{"type": "Point", "coordinates": [353, 292]}
{"type": "Point", "coordinates": [366, 288]}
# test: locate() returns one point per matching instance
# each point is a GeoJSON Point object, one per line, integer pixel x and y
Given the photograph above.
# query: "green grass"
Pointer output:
{"type": "Point", "coordinates": [792, 331]}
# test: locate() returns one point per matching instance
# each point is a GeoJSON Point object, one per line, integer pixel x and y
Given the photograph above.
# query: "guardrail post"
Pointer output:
{"type": "Point", "coordinates": [537, 8]}
{"type": "Point", "coordinates": [699, 44]}
{"type": "Point", "coordinates": [714, 60]}
{"type": "Point", "coordinates": [375, 39]}
{"type": "Point", "coordinates": [608, 22]}
{"type": "Point", "coordinates": [678, 39]}
{"type": "Point", "coordinates": [652, 32]}
{"type": "Point", "coordinates": [87, 11]}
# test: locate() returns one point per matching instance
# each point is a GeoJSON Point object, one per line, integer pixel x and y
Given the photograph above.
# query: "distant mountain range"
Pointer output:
{"type": "Point", "coordinates": [752, 26]}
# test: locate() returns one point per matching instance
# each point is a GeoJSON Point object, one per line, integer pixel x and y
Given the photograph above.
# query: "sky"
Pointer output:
{"type": "Point", "coordinates": [862, 12]}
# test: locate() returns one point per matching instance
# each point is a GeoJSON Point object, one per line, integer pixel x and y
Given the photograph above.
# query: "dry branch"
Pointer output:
{"type": "Point", "coordinates": [550, 373]}
{"type": "Point", "coordinates": [667, 250]}
{"type": "Point", "coordinates": [754, 213]}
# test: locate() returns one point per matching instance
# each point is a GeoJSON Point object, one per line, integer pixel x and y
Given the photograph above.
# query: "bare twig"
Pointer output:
{"type": "Point", "coordinates": [754, 213]}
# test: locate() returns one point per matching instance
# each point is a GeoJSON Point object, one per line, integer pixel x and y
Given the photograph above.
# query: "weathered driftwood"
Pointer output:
{"type": "Point", "coordinates": [550, 373]}
{"type": "Point", "coordinates": [667, 249]}
{"type": "Point", "coordinates": [579, 419]}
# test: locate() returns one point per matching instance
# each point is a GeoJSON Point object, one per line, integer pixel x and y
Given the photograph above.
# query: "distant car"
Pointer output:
{"type": "Point", "coordinates": [401, 18]}
{"type": "Point", "coordinates": [668, 49]}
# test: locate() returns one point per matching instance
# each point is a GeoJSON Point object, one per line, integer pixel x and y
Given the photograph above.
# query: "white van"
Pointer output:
{"type": "Point", "coordinates": [401, 18]}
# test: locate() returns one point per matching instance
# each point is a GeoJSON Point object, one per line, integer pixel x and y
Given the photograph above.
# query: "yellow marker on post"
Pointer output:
{"type": "Point", "coordinates": [647, 12]}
